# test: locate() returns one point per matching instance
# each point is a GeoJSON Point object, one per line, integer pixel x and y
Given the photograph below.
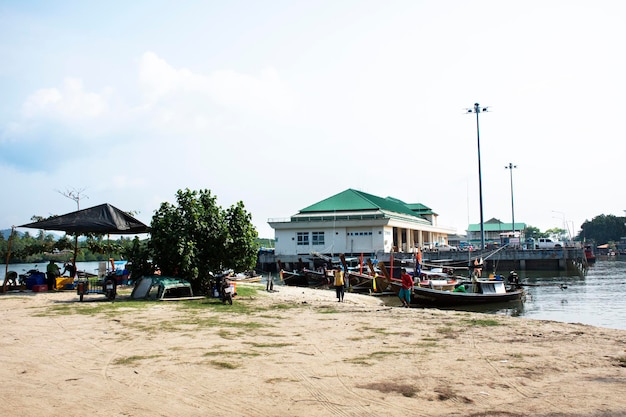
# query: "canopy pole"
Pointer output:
{"type": "Point", "coordinates": [75, 256]}
{"type": "Point", "coordinates": [6, 269]}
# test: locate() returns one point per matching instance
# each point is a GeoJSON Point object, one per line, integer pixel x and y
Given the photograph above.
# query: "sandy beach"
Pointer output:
{"type": "Point", "coordinates": [298, 352]}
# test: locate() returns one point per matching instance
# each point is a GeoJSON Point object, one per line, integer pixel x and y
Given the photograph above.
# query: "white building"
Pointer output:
{"type": "Point", "coordinates": [354, 223]}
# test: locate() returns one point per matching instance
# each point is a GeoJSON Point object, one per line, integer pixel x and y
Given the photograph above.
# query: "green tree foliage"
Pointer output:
{"type": "Point", "coordinates": [241, 247]}
{"type": "Point", "coordinates": [557, 233]}
{"type": "Point", "coordinates": [603, 229]}
{"type": "Point", "coordinates": [532, 232]}
{"type": "Point", "coordinates": [139, 256]}
{"type": "Point", "coordinates": [196, 238]}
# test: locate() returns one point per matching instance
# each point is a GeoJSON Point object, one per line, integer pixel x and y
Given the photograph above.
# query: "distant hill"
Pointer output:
{"type": "Point", "coordinates": [7, 233]}
{"type": "Point", "coordinates": [263, 242]}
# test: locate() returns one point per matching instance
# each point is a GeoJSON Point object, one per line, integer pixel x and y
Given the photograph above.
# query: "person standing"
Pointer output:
{"type": "Point", "coordinates": [339, 284]}
{"type": "Point", "coordinates": [52, 272]}
{"type": "Point", "coordinates": [69, 267]}
{"type": "Point", "coordinates": [478, 267]}
{"type": "Point", "coordinates": [418, 263]}
{"type": "Point", "coordinates": [407, 286]}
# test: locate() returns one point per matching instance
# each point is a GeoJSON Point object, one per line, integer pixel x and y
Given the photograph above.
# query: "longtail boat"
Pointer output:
{"type": "Point", "coordinates": [363, 283]}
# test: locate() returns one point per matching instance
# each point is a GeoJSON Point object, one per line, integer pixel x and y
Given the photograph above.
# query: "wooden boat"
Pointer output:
{"type": "Point", "coordinates": [476, 291]}
{"type": "Point", "coordinates": [317, 279]}
{"type": "Point", "coordinates": [434, 290]}
{"type": "Point", "coordinates": [589, 255]}
{"type": "Point", "coordinates": [364, 283]}
{"type": "Point", "coordinates": [293, 278]}
{"type": "Point", "coordinates": [249, 276]}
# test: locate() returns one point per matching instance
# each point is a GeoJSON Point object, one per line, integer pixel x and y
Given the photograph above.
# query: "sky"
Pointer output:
{"type": "Point", "coordinates": [281, 104]}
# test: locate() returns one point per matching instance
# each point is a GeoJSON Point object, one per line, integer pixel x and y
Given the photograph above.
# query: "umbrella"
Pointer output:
{"type": "Point", "coordinates": [99, 219]}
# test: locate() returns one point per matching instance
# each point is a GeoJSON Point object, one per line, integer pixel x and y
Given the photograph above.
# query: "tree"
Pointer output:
{"type": "Point", "coordinates": [532, 232]}
{"type": "Point", "coordinates": [139, 256]}
{"type": "Point", "coordinates": [603, 229]}
{"type": "Point", "coordinates": [242, 246]}
{"type": "Point", "coordinates": [196, 238]}
{"type": "Point", "coordinates": [557, 233]}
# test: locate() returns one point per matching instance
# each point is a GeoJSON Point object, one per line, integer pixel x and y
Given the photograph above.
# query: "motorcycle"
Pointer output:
{"type": "Point", "coordinates": [226, 291]}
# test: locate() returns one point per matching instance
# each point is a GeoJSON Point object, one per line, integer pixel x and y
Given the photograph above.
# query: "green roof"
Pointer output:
{"type": "Point", "coordinates": [353, 200]}
{"type": "Point", "coordinates": [420, 208]}
{"type": "Point", "coordinates": [495, 225]}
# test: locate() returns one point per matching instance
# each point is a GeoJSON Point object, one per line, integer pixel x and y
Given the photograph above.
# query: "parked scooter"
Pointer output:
{"type": "Point", "coordinates": [226, 291]}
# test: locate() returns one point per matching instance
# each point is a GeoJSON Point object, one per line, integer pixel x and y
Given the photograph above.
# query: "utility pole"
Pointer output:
{"type": "Point", "coordinates": [510, 168]}
{"type": "Point", "coordinates": [477, 109]}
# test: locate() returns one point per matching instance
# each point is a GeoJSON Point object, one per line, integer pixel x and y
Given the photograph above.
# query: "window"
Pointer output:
{"type": "Point", "coordinates": [317, 238]}
{"type": "Point", "coordinates": [303, 238]}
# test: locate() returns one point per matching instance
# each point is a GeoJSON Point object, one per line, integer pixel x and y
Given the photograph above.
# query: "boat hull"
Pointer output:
{"type": "Point", "coordinates": [294, 279]}
{"type": "Point", "coordinates": [439, 298]}
{"type": "Point", "coordinates": [362, 283]}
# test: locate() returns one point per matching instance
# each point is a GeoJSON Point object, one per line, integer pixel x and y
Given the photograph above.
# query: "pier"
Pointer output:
{"type": "Point", "coordinates": [506, 259]}
{"type": "Point", "coordinates": [558, 259]}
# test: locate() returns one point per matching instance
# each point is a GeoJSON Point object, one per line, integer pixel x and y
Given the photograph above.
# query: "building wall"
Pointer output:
{"type": "Point", "coordinates": [353, 240]}
{"type": "Point", "coordinates": [348, 236]}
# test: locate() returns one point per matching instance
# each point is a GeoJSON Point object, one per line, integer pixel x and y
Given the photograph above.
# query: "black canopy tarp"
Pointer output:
{"type": "Point", "coordinates": [103, 219]}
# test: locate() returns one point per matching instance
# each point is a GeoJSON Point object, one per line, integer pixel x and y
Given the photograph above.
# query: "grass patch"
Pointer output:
{"type": "Point", "coordinates": [268, 345]}
{"type": "Point", "coordinates": [285, 306]}
{"type": "Point", "coordinates": [448, 332]}
{"type": "Point", "coordinates": [328, 310]}
{"type": "Point", "coordinates": [405, 390]}
{"type": "Point", "coordinates": [447, 393]}
{"type": "Point", "coordinates": [376, 355]}
{"type": "Point", "coordinates": [276, 380]}
{"type": "Point", "coordinates": [358, 338]}
{"type": "Point", "coordinates": [481, 322]}
{"type": "Point", "coordinates": [229, 353]}
{"type": "Point", "coordinates": [427, 344]}
{"type": "Point", "coordinates": [621, 361]}
{"type": "Point", "coordinates": [94, 307]}
{"type": "Point", "coordinates": [224, 365]}
{"type": "Point", "coordinates": [128, 360]}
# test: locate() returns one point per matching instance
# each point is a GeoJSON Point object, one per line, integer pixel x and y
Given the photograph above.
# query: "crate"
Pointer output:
{"type": "Point", "coordinates": [61, 283]}
{"type": "Point", "coordinates": [35, 279]}
{"type": "Point", "coordinates": [40, 288]}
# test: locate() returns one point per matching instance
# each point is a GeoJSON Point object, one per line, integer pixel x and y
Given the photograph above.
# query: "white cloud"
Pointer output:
{"type": "Point", "coordinates": [264, 94]}
{"type": "Point", "coordinates": [68, 103]}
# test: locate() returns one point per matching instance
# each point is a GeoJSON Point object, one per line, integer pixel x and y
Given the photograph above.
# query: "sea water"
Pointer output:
{"type": "Point", "coordinates": [595, 298]}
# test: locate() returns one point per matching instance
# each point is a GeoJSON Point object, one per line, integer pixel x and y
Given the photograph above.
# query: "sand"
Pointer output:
{"type": "Point", "coordinates": [298, 352]}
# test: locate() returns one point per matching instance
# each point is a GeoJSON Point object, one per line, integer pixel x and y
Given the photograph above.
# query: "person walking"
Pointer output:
{"type": "Point", "coordinates": [339, 284]}
{"type": "Point", "coordinates": [407, 286]}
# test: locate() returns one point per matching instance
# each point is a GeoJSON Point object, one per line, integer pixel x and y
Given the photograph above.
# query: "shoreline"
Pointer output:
{"type": "Point", "coordinates": [297, 351]}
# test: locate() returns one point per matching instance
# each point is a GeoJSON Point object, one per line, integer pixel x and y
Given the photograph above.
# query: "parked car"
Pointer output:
{"type": "Point", "coordinates": [465, 246]}
{"type": "Point", "coordinates": [546, 243]}
{"type": "Point", "coordinates": [446, 248]}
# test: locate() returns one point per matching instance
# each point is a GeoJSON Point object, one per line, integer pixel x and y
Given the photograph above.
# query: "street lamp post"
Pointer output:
{"type": "Point", "coordinates": [510, 168]}
{"type": "Point", "coordinates": [477, 109]}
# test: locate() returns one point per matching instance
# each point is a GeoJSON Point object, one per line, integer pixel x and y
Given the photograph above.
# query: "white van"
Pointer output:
{"type": "Point", "coordinates": [547, 243]}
